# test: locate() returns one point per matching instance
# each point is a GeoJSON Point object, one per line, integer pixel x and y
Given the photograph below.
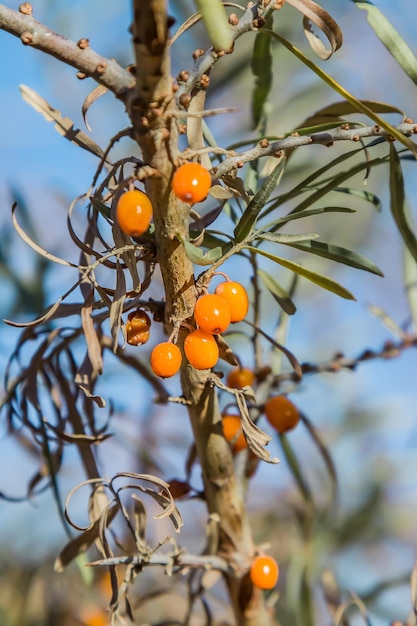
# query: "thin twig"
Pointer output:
{"type": "Point", "coordinates": [339, 362]}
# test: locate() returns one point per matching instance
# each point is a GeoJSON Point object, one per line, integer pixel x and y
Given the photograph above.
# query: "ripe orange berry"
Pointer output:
{"type": "Point", "coordinates": [212, 314]}
{"type": "Point", "coordinates": [166, 359]}
{"type": "Point", "coordinates": [138, 328]}
{"type": "Point", "coordinates": [281, 413]}
{"type": "Point", "coordinates": [264, 572]}
{"type": "Point", "coordinates": [232, 429]}
{"type": "Point", "coordinates": [134, 212]}
{"type": "Point", "coordinates": [201, 349]}
{"type": "Point", "coordinates": [191, 182]}
{"type": "Point", "coordinates": [240, 377]}
{"type": "Point", "coordinates": [236, 297]}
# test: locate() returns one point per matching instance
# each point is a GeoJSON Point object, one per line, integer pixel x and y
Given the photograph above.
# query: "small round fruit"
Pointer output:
{"type": "Point", "coordinates": [240, 377]}
{"type": "Point", "coordinates": [138, 328]}
{"type": "Point", "coordinates": [264, 572]}
{"type": "Point", "coordinates": [232, 430]}
{"type": "Point", "coordinates": [191, 182]}
{"type": "Point", "coordinates": [236, 297]}
{"type": "Point", "coordinates": [134, 212]}
{"type": "Point", "coordinates": [281, 413]}
{"type": "Point", "coordinates": [166, 359]}
{"type": "Point", "coordinates": [201, 349]}
{"type": "Point", "coordinates": [212, 314]}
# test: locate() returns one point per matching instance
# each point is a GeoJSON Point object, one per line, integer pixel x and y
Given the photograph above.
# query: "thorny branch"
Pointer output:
{"type": "Point", "coordinates": [181, 560]}
{"type": "Point", "coordinates": [32, 33]}
{"type": "Point", "coordinates": [275, 148]}
{"type": "Point", "coordinates": [340, 362]}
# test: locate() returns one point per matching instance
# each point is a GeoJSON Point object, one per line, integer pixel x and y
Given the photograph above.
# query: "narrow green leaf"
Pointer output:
{"type": "Point", "coordinates": [249, 217]}
{"type": "Point", "coordinates": [334, 112]}
{"type": "Point", "coordinates": [303, 185]}
{"type": "Point", "coordinates": [295, 468]}
{"type": "Point", "coordinates": [398, 203]}
{"type": "Point", "coordinates": [262, 71]}
{"type": "Point", "coordinates": [197, 255]}
{"type": "Point", "coordinates": [216, 22]}
{"type": "Point", "coordinates": [391, 38]}
{"type": "Point", "coordinates": [323, 281]}
{"type": "Point", "coordinates": [333, 184]}
{"type": "Point", "coordinates": [336, 253]}
{"type": "Point", "coordinates": [284, 238]}
{"type": "Point", "coordinates": [281, 295]}
{"type": "Point", "coordinates": [298, 216]}
{"type": "Point", "coordinates": [367, 196]}
{"type": "Point", "coordinates": [358, 104]}
{"type": "Point", "coordinates": [100, 206]}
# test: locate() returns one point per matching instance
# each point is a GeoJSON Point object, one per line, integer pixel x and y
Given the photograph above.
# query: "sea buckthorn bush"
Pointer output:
{"type": "Point", "coordinates": [134, 372]}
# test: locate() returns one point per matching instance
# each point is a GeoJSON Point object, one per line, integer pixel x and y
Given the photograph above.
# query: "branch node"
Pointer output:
{"type": "Point", "coordinates": [26, 8]}
{"type": "Point", "coordinates": [185, 100]}
{"type": "Point", "coordinates": [204, 81]}
{"type": "Point", "coordinates": [81, 75]}
{"type": "Point", "coordinates": [183, 76]}
{"type": "Point", "coordinates": [198, 53]}
{"type": "Point", "coordinates": [101, 67]}
{"type": "Point", "coordinates": [26, 38]}
{"type": "Point", "coordinates": [83, 43]}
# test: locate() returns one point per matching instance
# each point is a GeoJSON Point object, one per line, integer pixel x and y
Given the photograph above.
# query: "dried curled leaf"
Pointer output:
{"type": "Point", "coordinates": [94, 95]}
{"type": "Point", "coordinates": [314, 14]}
{"type": "Point", "coordinates": [63, 125]}
{"type": "Point", "coordinates": [80, 544]}
{"type": "Point", "coordinates": [255, 437]}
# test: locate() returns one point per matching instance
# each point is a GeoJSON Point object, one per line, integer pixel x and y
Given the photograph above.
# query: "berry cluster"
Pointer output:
{"type": "Point", "coordinates": [213, 312]}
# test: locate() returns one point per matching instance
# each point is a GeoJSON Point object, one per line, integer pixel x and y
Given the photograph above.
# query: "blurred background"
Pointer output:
{"type": "Point", "coordinates": [366, 418]}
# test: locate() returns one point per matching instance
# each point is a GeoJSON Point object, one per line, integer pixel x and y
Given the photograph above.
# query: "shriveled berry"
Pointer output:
{"type": "Point", "coordinates": [138, 328]}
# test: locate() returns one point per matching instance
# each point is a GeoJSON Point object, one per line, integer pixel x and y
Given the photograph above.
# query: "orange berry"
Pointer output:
{"type": "Point", "coordinates": [138, 328]}
{"type": "Point", "coordinates": [201, 349]}
{"type": "Point", "coordinates": [191, 182]}
{"type": "Point", "coordinates": [281, 413]}
{"type": "Point", "coordinates": [166, 359]}
{"type": "Point", "coordinates": [232, 429]}
{"type": "Point", "coordinates": [236, 297]}
{"type": "Point", "coordinates": [240, 377]}
{"type": "Point", "coordinates": [134, 212]}
{"type": "Point", "coordinates": [212, 314]}
{"type": "Point", "coordinates": [94, 617]}
{"type": "Point", "coordinates": [264, 572]}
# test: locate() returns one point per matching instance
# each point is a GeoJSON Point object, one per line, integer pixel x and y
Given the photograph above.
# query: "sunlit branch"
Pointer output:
{"type": "Point", "coordinates": [275, 148]}
{"type": "Point", "coordinates": [79, 55]}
